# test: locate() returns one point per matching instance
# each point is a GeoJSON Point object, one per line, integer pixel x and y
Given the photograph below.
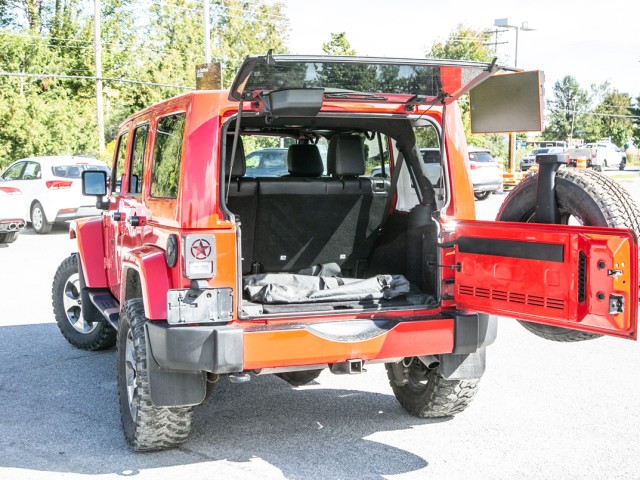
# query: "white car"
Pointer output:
{"type": "Point", "coordinates": [12, 218]}
{"type": "Point", "coordinates": [486, 176]}
{"type": "Point", "coordinates": [52, 189]}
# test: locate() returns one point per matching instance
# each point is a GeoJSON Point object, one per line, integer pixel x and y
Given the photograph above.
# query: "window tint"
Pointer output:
{"type": "Point", "coordinates": [167, 154]}
{"type": "Point", "coordinates": [118, 170]}
{"type": "Point", "coordinates": [15, 172]}
{"type": "Point", "coordinates": [75, 171]}
{"type": "Point", "coordinates": [137, 159]}
{"type": "Point", "coordinates": [32, 172]}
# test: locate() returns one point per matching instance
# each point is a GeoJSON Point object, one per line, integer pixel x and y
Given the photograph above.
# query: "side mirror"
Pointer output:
{"type": "Point", "coordinates": [94, 183]}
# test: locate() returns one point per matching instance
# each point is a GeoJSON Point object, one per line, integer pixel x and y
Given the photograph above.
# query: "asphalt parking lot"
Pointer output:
{"type": "Point", "coordinates": [544, 410]}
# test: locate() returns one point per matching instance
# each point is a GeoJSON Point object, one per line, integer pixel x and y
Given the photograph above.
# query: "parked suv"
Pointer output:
{"type": "Point", "coordinates": [197, 271]}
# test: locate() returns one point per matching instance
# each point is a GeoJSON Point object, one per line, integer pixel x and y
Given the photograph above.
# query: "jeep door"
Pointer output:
{"type": "Point", "coordinates": [582, 278]}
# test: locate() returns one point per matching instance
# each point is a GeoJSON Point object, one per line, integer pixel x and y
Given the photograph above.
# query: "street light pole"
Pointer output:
{"type": "Point", "coordinates": [207, 33]}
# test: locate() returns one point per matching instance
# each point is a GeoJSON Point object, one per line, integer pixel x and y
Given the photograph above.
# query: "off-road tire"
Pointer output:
{"type": "Point", "coordinates": [435, 396]}
{"type": "Point", "coordinates": [593, 199]}
{"type": "Point", "coordinates": [481, 195]}
{"type": "Point", "coordinates": [148, 427]}
{"type": "Point", "coordinates": [8, 237]}
{"type": "Point", "coordinates": [41, 225]}
{"type": "Point", "coordinates": [297, 379]}
{"type": "Point", "coordinates": [66, 301]}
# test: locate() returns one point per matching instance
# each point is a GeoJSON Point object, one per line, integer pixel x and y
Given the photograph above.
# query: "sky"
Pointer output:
{"type": "Point", "coordinates": [594, 41]}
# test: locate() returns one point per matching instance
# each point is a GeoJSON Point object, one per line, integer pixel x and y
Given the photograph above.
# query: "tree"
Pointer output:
{"type": "Point", "coordinates": [338, 45]}
{"type": "Point", "coordinates": [464, 43]}
{"type": "Point", "coordinates": [610, 119]}
{"type": "Point", "coordinates": [567, 110]}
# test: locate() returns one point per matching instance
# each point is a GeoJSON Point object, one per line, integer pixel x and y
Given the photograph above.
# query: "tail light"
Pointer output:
{"type": "Point", "coordinates": [58, 184]}
{"type": "Point", "coordinates": [10, 190]}
{"type": "Point", "coordinates": [473, 165]}
{"type": "Point", "coordinates": [199, 252]}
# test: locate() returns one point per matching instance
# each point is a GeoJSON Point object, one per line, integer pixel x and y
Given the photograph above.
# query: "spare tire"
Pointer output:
{"type": "Point", "coordinates": [584, 197]}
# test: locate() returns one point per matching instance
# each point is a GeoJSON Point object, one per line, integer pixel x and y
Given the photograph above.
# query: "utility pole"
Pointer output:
{"type": "Point", "coordinates": [98, 61]}
{"type": "Point", "coordinates": [207, 33]}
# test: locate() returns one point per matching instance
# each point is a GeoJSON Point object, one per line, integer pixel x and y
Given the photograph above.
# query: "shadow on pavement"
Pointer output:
{"type": "Point", "coordinates": [60, 414]}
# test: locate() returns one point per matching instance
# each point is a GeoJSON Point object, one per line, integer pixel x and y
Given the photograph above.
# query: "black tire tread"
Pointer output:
{"type": "Point", "coordinates": [8, 237]}
{"type": "Point", "coordinates": [440, 398]}
{"type": "Point", "coordinates": [155, 428]}
{"type": "Point", "coordinates": [615, 204]}
{"type": "Point", "coordinates": [104, 335]}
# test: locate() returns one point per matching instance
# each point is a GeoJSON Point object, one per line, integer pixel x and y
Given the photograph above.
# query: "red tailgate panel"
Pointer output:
{"type": "Point", "coordinates": [566, 276]}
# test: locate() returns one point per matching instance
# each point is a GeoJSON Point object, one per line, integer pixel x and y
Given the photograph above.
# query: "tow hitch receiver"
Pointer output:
{"type": "Point", "coordinates": [349, 367]}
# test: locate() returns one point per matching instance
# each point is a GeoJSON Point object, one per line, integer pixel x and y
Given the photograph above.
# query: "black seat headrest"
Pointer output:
{"type": "Point", "coordinates": [240, 163]}
{"type": "Point", "coordinates": [346, 157]}
{"type": "Point", "coordinates": [304, 160]}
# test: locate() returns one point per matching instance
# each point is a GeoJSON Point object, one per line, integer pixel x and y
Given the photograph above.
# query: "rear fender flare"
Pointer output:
{"type": "Point", "coordinates": [148, 264]}
{"type": "Point", "coordinates": [88, 232]}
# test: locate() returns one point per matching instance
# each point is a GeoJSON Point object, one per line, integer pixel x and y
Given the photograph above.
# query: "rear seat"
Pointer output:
{"type": "Point", "coordinates": [291, 229]}
{"type": "Point", "coordinates": [294, 222]}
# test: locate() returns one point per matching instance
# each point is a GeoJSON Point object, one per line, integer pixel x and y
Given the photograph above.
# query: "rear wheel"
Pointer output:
{"type": "Point", "coordinates": [623, 163]}
{"type": "Point", "coordinates": [146, 427]}
{"type": "Point", "coordinates": [8, 237]}
{"type": "Point", "coordinates": [67, 308]}
{"type": "Point", "coordinates": [425, 393]}
{"type": "Point", "coordinates": [481, 195]}
{"type": "Point", "coordinates": [584, 197]}
{"type": "Point", "coordinates": [39, 219]}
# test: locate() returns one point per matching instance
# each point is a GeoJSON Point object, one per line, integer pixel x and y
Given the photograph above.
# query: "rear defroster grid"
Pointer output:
{"type": "Point", "coordinates": [511, 297]}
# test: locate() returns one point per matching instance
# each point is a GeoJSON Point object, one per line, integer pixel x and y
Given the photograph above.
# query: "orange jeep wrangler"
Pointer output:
{"type": "Point", "coordinates": [206, 264]}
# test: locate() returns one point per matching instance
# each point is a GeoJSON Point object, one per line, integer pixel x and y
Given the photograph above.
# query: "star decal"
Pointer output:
{"type": "Point", "coordinates": [200, 249]}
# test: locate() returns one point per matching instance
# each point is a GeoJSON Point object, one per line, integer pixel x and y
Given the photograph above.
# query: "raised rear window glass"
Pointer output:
{"type": "Point", "coordinates": [167, 155]}
{"type": "Point", "coordinates": [137, 158]}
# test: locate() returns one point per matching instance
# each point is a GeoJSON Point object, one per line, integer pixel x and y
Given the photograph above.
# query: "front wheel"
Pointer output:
{"type": "Point", "coordinates": [39, 220]}
{"type": "Point", "coordinates": [146, 427]}
{"type": "Point", "coordinates": [425, 393]}
{"type": "Point", "coordinates": [67, 309]}
{"type": "Point", "coordinates": [481, 195]}
{"type": "Point", "coordinates": [584, 197]}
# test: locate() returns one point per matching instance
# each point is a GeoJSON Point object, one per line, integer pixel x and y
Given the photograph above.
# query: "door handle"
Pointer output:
{"type": "Point", "coordinates": [137, 221]}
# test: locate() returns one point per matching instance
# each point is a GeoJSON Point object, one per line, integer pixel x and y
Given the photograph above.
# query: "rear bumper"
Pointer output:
{"type": "Point", "coordinates": [234, 348]}
{"type": "Point", "coordinates": [12, 225]}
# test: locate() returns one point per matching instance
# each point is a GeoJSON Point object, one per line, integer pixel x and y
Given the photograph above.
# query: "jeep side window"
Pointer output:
{"type": "Point", "coordinates": [137, 158]}
{"type": "Point", "coordinates": [118, 168]}
{"type": "Point", "coordinates": [167, 155]}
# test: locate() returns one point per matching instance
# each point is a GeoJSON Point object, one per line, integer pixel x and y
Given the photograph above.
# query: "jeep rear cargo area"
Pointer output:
{"type": "Point", "coordinates": [317, 239]}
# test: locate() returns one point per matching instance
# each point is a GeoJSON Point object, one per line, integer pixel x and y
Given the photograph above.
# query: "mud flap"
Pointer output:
{"type": "Point", "coordinates": [174, 388]}
{"type": "Point", "coordinates": [463, 366]}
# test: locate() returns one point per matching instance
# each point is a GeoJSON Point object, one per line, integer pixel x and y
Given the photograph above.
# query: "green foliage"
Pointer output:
{"type": "Point", "coordinates": [145, 40]}
{"type": "Point", "coordinates": [464, 43]}
{"type": "Point", "coordinates": [567, 111]}
{"type": "Point", "coordinates": [338, 45]}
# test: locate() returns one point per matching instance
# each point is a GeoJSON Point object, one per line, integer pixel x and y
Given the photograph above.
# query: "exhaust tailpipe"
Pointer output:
{"type": "Point", "coordinates": [430, 361]}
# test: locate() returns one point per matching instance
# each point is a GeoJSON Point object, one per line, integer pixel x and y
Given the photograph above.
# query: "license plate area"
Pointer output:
{"type": "Point", "coordinates": [209, 305]}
